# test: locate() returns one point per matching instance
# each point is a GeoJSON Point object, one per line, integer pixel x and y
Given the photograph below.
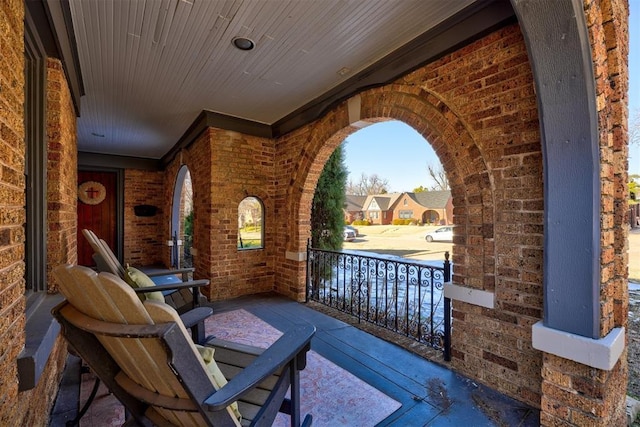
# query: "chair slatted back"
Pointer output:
{"type": "Point", "coordinates": [101, 248]}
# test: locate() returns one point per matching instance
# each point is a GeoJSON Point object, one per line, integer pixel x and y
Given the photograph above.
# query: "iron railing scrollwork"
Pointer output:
{"type": "Point", "coordinates": [404, 296]}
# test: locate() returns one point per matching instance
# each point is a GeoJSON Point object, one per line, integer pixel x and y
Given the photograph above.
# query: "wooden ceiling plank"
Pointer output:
{"type": "Point", "coordinates": [153, 82]}
{"type": "Point", "coordinates": [148, 49]}
{"type": "Point", "coordinates": [169, 67]}
{"type": "Point", "coordinates": [208, 42]}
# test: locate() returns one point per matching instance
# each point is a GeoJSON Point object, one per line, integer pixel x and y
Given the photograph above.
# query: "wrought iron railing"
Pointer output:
{"type": "Point", "coordinates": [404, 296]}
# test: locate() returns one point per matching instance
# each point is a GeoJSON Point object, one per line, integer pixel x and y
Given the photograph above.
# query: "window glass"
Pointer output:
{"type": "Point", "coordinates": [406, 214]}
{"type": "Point", "coordinates": [250, 223]}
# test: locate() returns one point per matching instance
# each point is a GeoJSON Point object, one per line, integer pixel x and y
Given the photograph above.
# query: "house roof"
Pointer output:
{"type": "Point", "coordinates": [384, 201]}
{"type": "Point", "coordinates": [354, 203]}
{"type": "Point", "coordinates": [431, 199]}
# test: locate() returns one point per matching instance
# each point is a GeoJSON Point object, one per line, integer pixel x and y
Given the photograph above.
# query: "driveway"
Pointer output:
{"type": "Point", "coordinates": [408, 241]}
{"type": "Point", "coordinates": [634, 255]}
{"type": "Point", "coordinates": [405, 240]}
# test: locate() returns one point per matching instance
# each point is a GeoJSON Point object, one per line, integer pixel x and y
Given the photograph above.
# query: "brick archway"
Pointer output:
{"type": "Point", "coordinates": [460, 156]}
{"type": "Point", "coordinates": [478, 110]}
{"type": "Point", "coordinates": [478, 107]}
{"type": "Point", "coordinates": [467, 171]}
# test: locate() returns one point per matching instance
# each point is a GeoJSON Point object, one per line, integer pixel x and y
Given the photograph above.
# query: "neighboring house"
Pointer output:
{"type": "Point", "coordinates": [353, 207]}
{"type": "Point", "coordinates": [378, 208]}
{"type": "Point", "coordinates": [428, 207]}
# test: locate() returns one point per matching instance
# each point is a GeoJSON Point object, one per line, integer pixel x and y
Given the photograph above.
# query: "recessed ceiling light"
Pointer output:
{"type": "Point", "coordinates": [243, 43]}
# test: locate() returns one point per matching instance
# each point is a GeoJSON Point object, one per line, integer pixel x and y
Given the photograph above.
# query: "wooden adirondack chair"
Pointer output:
{"type": "Point", "coordinates": [183, 295]}
{"type": "Point", "coordinates": [144, 355]}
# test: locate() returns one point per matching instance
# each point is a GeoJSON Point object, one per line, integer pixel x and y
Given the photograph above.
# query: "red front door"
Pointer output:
{"type": "Point", "coordinates": [96, 211]}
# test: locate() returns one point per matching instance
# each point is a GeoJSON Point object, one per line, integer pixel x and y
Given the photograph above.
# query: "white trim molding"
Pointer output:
{"type": "Point", "coordinates": [600, 353]}
{"type": "Point", "coordinates": [296, 256]}
{"type": "Point", "coordinates": [469, 295]}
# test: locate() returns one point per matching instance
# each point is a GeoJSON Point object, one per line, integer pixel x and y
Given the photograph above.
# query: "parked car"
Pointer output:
{"type": "Point", "coordinates": [349, 235]}
{"type": "Point", "coordinates": [351, 227]}
{"type": "Point", "coordinates": [440, 234]}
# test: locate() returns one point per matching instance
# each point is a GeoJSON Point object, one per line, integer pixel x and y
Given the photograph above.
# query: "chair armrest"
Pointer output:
{"type": "Point", "coordinates": [217, 343]}
{"type": "Point", "coordinates": [192, 284]}
{"type": "Point", "coordinates": [292, 344]}
{"type": "Point", "coordinates": [161, 273]}
{"type": "Point", "coordinates": [195, 316]}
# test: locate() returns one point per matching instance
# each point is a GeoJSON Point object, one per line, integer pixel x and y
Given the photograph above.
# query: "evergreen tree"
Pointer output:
{"type": "Point", "coordinates": [327, 215]}
{"type": "Point", "coordinates": [188, 224]}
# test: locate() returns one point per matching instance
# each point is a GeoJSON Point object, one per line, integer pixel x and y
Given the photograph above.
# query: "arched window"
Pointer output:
{"type": "Point", "coordinates": [182, 220]}
{"type": "Point", "coordinates": [250, 223]}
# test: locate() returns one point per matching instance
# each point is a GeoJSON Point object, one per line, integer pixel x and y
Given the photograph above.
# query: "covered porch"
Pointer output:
{"type": "Point", "coordinates": [524, 102]}
{"type": "Point", "coordinates": [354, 378]}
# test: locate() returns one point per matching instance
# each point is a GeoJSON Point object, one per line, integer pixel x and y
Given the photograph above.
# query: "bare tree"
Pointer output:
{"type": "Point", "coordinates": [368, 184]}
{"type": "Point", "coordinates": [634, 127]}
{"type": "Point", "coordinates": [438, 176]}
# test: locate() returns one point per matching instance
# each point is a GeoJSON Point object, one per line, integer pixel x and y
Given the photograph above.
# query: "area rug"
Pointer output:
{"type": "Point", "coordinates": [332, 395]}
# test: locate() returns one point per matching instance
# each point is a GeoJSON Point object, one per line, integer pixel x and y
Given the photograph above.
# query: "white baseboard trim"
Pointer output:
{"type": "Point", "coordinates": [469, 295]}
{"type": "Point", "coordinates": [602, 353]}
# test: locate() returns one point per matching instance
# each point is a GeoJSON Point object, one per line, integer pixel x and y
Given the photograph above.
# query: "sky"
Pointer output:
{"type": "Point", "coordinates": [399, 154]}
{"type": "Point", "coordinates": [394, 151]}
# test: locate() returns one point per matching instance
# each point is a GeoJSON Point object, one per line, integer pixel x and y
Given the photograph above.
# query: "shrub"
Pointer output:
{"type": "Point", "coordinates": [361, 222]}
{"type": "Point", "coordinates": [404, 221]}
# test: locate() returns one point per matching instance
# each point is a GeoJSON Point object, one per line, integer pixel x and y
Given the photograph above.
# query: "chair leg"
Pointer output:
{"type": "Point", "coordinates": [197, 333]}
{"type": "Point", "coordinates": [294, 392]}
{"type": "Point", "coordinates": [308, 420]}
{"type": "Point", "coordinates": [85, 408]}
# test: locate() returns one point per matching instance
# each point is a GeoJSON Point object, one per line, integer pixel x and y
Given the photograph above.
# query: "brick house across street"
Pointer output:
{"type": "Point", "coordinates": [353, 208]}
{"type": "Point", "coordinates": [428, 207]}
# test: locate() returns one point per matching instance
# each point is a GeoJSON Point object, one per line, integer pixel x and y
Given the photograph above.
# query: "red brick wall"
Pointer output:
{"type": "Point", "coordinates": [34, 406]}
{"type": "Point", "coordinates": [477, 108]}
{"type": "Point", "coordinates": [225, 168]}
{"type": "Point", "coordinates": [575, 394]}
{"type": "Point", "coordinates": [484, 126]}
{"type": "Point", "coordinates": [198, 160]}
{"type": "Point", "coordinates": [62, 172]}
{"type": "Point", "coordinates": [300, 158]}
{"type": "Point", "coordinates": [12, 211]}
{"type": "Point", "coordinates": [144, 236]}
{"type": "Point", "coordinates": [30, 407]}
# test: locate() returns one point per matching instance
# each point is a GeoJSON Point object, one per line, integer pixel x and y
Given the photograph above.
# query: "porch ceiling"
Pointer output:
{"type": "Point", "coordinates": [150, 67]}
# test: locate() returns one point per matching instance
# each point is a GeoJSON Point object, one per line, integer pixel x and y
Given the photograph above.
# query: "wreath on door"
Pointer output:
{"type": "Point", "coordinates": [91, 192]}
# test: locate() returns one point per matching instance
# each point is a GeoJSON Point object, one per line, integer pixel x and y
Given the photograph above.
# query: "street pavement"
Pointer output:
{"type": "Point", "coordinates": [408, 241]}
{"type": "Point", "coordinates": [400, 240]}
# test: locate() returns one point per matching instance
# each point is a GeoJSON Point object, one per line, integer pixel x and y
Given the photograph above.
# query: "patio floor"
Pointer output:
{"type": "Point", "coordinates": [426, 393]}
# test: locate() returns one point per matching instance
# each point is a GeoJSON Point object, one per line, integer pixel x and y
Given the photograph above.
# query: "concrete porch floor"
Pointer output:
{"type": "Point", "coordinates": [430, 394]}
